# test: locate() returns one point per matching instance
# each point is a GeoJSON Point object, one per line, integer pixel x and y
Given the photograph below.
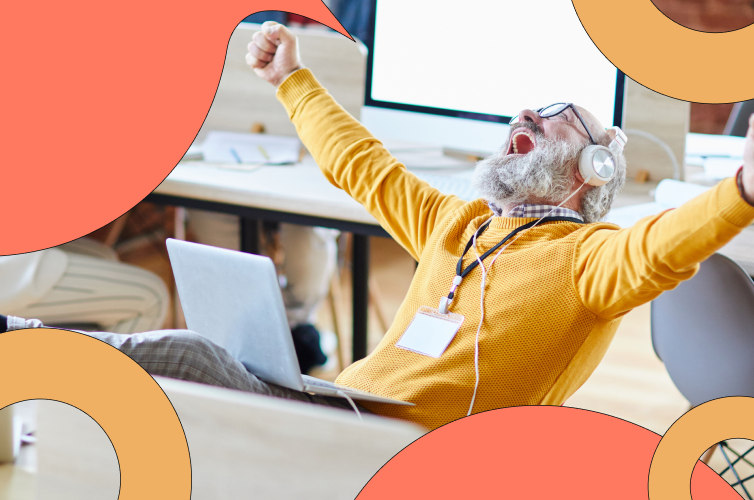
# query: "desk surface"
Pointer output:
{"type": "Point", "coordinates": [302, 189]}
{"type": "Point", "coordinates": [239, 443]}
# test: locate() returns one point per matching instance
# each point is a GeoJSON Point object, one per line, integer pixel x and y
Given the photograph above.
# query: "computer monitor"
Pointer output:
{"type": "Point", "coordinates": [453, 73]}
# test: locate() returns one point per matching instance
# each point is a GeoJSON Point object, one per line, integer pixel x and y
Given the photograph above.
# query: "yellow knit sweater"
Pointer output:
{"type": "Point", "coordinates": [553, 300]}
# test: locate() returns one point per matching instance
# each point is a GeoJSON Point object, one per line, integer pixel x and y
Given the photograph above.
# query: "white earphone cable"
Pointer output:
{"type": "Point", "coordinates": [481, 320]}
{"type": "Point", "coordinates": [350, 401]}
{"type": "Point", "coordinates": [484, 285]}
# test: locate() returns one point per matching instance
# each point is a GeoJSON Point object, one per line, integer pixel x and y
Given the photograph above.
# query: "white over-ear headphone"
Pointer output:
{"type": "Point", "coordinates": [597, 164]}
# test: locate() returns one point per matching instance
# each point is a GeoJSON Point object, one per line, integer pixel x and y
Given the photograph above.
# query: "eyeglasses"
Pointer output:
{"type": "Point", "coordinates": [554, 110]}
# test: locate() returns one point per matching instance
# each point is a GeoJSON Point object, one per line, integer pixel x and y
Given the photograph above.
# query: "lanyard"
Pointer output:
{"type": "Point", "coordinates": [461, 272]}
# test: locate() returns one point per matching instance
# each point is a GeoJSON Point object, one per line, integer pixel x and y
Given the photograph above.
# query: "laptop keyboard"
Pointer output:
{"type": "Point", "coordinates": [334, 389]}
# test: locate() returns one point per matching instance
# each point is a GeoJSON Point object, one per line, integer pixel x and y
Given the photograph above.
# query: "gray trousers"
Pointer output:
{"type": "Point", "coordinates": [186, 355]}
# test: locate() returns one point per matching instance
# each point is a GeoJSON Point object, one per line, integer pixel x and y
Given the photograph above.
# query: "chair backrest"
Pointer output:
{"type": "Point", "coordinates": [703, 331]}
{"type": "Point", "coordinates": [738, 121]}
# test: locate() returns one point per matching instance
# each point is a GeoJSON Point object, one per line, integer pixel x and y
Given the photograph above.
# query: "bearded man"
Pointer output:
{"type": "Point", "coordinates": [516, 296]}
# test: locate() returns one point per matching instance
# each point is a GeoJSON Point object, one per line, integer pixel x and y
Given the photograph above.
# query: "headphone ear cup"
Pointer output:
{"type": "Point", "coordinates": [596, 165]}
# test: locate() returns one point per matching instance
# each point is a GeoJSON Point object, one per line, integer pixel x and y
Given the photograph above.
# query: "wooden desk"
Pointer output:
{"type": "Point", "coordinates": [241, 445]}
{"type": "Point", "coordinates": [299, 190]}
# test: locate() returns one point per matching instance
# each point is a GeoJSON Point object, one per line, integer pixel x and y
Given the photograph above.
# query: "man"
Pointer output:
{"type": "Point", "coordinates": [527, 322]}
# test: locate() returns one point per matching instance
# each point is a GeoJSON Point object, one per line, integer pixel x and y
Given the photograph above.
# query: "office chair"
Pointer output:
{"type": "Point", "coordinates": [738, 121]}
{"type": "Point", "coordinates": [703, 331]}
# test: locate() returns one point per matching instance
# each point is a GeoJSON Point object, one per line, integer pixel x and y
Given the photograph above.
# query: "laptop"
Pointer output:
{"type": "Point", "coordinates": [234, 299]}
{"type": "Point", "coordinates": [10, 435]}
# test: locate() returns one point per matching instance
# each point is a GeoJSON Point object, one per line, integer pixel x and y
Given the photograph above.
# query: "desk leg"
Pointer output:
{"type": "Point", "coordinates": [360, 283]}
{"type": "Point", "coordinates": [249, 235]}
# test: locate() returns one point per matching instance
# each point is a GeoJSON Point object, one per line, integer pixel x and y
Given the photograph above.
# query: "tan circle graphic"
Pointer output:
{"type": "Point", "coordinates": [667, 57]}
{"type": "Point", "coordinates": [115, 392]}
{"type": "Point", "coordinates": [680, 448]}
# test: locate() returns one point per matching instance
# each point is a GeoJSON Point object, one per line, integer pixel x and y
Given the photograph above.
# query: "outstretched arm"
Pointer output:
{"type": "Point", "coordinates": [348, 155]}
{"type": "Point", "coordinates": [635, 265]}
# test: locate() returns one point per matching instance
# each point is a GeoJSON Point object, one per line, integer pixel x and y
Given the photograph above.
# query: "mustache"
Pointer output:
{"type": "Point", "coordinates": [530, 126]}
{"type": "Point", "coordinates": [545, 173]}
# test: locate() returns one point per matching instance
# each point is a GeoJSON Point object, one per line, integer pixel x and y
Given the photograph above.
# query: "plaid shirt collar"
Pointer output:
{"type": "Point", "coordinates": [535, 211]}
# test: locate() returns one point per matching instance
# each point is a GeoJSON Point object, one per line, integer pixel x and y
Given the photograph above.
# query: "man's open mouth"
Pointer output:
{"type": "Point", "coordinates": [521, 142]}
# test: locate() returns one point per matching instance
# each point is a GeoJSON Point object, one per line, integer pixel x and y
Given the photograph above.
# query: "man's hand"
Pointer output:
{"type": "Point", "coordinates": [748, 172]}
{"type": "Point", "coordinates": [273, 53]}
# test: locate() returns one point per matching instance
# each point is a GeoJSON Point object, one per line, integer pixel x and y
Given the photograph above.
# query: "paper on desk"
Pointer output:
{"type": "Point", "coordinates": [720, 168]}
{"type": "Point", "coordinates": [671, 193]}
{"type": "Point", "coordinates": [236, 147]}
{"type": "Point", "coordinates": [711, 145]}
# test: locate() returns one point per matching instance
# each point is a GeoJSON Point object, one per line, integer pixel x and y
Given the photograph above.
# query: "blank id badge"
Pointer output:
{"type": "Point", "coordinates": [430, 332]}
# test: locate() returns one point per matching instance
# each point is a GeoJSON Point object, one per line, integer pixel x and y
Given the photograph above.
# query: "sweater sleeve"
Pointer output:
{"type": "Point", "coordinates": [616, 271]}
{"type": "Point", "coordinates": [353, 160]}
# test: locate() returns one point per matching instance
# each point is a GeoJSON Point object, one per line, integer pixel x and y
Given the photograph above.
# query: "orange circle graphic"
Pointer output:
{"type": "Point", "coordinates": [680, 448]}
{"type": "Point", "coordinates": [115, 392]}
{"type": "Point", "coordinates": [669, 58]}
{"type": "Point", "coordinates": [131, 90]}
{"type": "Point", "coordinates": [532, 452]}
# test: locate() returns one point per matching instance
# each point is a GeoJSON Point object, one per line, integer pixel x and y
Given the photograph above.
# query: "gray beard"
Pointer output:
{"type": "Point", "coordinates": [545, 174]}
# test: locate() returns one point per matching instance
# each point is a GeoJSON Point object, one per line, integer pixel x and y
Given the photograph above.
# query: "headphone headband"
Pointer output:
{"type": "Point", "coordinates": [619, 141]}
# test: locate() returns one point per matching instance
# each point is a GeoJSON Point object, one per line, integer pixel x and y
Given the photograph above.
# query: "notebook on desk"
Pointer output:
{"type": "Point", "coordinates": [234, 300]}
{"type": "Point", "coordinates": [262, 149]}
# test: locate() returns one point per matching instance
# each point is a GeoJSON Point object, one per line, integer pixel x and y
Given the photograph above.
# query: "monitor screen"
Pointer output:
{"type": "Point", "coordinates": [481, 61]}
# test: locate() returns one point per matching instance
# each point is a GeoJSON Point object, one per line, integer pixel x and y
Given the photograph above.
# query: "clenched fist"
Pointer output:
{"type": "Point", "coordinates": [273, 53]}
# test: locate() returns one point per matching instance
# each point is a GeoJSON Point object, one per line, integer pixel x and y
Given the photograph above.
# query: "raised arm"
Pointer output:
{"type": "Point", "coordinates": [349, 156]}
{"type": "Point", "coordinates": [630, 267]}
